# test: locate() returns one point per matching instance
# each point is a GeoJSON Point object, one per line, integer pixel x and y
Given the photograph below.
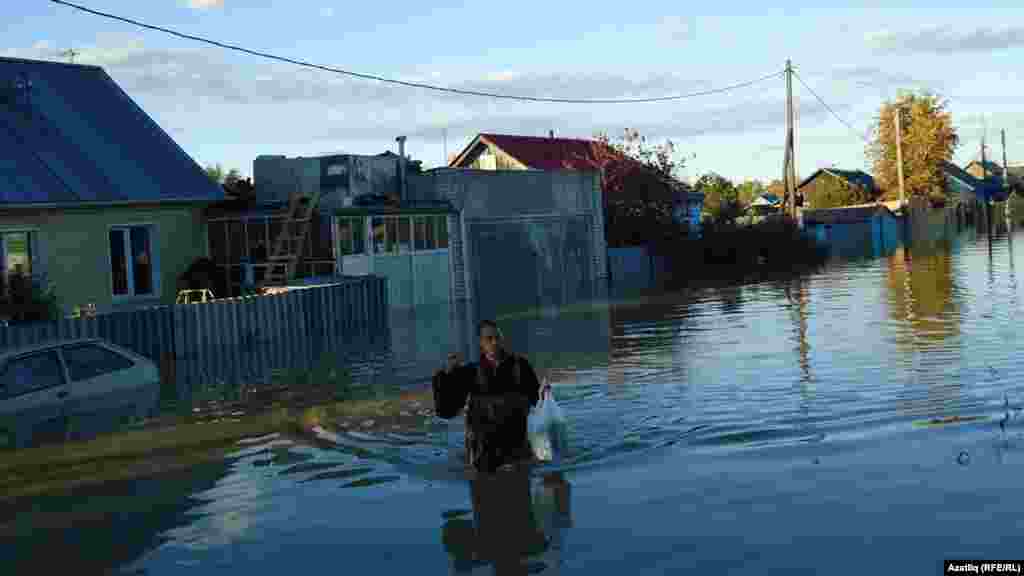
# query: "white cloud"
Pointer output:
{"type": "Point", "coordinates": [204, 94]}
{"type": "Point", "coordinates": [205, 4]}
{"type": "Point", "coordinates": [945, 40]}
{"type": "Point", "coordinates": [677, 28]}
{"type": "Point", "coordinates": [502, 76]}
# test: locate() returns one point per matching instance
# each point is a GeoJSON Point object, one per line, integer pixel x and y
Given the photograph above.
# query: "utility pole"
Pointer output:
{"type": "Point", "coordinates": [984, 181]}
{"type": "Point", "coordinates": [984, 164]}
{"type": "Point", "coordinates": [899, 156]}
{"type": "Point", "coordinates": [789, 168]}
{"type": "Point", "coordinates": [1006, 180]}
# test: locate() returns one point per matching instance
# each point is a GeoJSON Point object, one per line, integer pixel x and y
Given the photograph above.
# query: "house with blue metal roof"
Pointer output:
{"type": "Point", "coordinates": [830, 188]}
{"type": "Point", "coordinates": [96, 199]}
{"type": "Point", "coordinates": [962, 186]}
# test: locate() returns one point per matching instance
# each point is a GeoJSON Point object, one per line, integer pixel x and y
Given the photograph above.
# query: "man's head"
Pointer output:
{"type": "Point", "coordinates": [490, 337]}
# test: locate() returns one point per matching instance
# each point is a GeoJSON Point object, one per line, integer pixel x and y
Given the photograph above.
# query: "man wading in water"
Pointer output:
{"type": "Point", "coordinates": [501, 388]}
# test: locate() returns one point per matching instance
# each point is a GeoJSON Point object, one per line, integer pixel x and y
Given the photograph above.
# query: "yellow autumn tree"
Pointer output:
{"type": "Point", "coordinates": [929, 139]}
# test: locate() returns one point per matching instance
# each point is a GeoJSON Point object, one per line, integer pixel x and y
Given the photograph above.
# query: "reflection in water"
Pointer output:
{"type": "Point", "coordinates": [655, 389]}
{"type": "Point", "coordinates": [99, 527]}
{"type": "Point", "coordinates": [571, 339]}
{"type": "Point", "coordinates": [922, 293]}
{"type": "Point", "coordinates": [509, 530]}
{"type": "Point", "coordinates": [797, 295]}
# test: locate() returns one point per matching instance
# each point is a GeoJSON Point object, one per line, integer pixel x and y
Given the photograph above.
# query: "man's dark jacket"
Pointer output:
{"type": "Point", "coordinates": [499, 405]}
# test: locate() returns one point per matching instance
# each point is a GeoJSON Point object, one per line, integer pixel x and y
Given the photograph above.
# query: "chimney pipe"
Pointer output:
{"type": "Point", "coordinates": [401, 167]}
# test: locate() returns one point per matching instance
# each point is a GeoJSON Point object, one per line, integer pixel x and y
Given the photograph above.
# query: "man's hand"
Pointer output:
{"type": "Point", "coordinates": [453, 362]}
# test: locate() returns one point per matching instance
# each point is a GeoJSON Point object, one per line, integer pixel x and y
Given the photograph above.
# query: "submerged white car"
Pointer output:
{"type": "Point", "coordinates": [72, 389]}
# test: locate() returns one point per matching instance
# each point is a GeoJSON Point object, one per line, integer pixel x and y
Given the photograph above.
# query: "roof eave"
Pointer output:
{"type": "Point", "coordinates": [116, 203]}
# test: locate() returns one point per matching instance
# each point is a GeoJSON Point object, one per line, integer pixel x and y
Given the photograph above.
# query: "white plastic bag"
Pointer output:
{"type": "Point", "coordinates": [546, 427]}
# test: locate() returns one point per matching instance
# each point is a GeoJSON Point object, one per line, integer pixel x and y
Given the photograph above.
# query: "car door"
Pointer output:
{"type": "Point", "coordinates": [33, 390]}
{"type": "Point", "coordinates": [103, 386]}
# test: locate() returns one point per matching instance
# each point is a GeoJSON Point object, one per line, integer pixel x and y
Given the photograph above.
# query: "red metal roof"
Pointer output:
{"type": "Point", "coordinates": [540, 153]}
{"type": "Point", "coordinates": [543, 153]}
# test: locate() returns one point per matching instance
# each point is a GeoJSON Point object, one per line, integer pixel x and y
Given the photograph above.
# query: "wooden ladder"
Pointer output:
{"type": "Point", "coordinates": [291, 241]}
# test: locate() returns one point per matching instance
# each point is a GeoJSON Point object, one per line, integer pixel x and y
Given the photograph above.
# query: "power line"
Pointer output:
{"type": "Point", "coordinates": [829, 108]}
{"type": "Point", "coordinates": [417, 84]}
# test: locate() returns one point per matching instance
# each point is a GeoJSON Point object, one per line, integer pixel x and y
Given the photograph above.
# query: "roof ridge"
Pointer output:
{"type": "Point", "coordinates": [547, 138]}
{"type": "Point", "coordinates": [13, 59]}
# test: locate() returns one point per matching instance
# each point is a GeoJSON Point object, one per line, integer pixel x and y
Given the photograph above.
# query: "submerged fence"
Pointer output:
{"type": "Point", "coordinates": [236, 340]}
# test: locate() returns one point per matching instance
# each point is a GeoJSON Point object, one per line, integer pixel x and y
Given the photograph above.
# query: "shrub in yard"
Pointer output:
{"type": "Point", "coordinates": [23, 300]}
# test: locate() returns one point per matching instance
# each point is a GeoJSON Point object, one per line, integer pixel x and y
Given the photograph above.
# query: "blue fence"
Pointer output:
{"type": "Point", "coordinates": [236, 340]}
{"type": "Point", "coordinates": [635, 266]}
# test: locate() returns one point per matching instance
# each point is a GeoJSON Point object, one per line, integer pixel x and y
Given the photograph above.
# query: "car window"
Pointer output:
{"type": "Point", "coordinates": [30, 373]}
{"type": "Point", "coordinates": [89, 361]}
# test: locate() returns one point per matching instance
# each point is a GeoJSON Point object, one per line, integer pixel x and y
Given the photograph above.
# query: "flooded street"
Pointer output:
{"type": "Point", "coordinates": [863, 417]}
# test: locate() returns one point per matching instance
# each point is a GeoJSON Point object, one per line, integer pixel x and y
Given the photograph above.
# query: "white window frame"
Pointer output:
{"type": "Point", "coordinates": [154, 250]}
{"type": "Point", "coordinates": [30, 230]}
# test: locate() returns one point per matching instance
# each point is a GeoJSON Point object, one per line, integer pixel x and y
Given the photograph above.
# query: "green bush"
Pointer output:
{"type": "Point", "coordinates": [22, 300]}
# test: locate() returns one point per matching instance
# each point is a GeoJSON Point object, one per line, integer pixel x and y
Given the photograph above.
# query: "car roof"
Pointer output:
{"type": "Point", "coordinates": [48, 345]}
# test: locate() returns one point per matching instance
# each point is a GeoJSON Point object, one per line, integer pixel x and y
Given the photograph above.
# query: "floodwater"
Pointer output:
{"type": "Point", "coordinates": [780, 427]}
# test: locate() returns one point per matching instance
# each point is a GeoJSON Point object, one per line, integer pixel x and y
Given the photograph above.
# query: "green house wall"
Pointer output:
{"type": "Point", "coordinates": [74, 245]}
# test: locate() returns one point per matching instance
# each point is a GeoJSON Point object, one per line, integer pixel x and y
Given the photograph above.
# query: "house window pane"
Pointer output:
{"type": "Point", "coordinates": [358, 235]}
{"type": "Point", "coordinates": [142, 261]}
{"type": "Point", "coordinates": [442, 231]}
{"type": "Point", "coordinates": [405, 234]}
{"type": "Point", "coordinates": [379, 234]}
{"type": "Point", "coordinates": [428, 230]}
{"type": "Point", "coordinates": [420, 232]}
{"type": "Point", "coordinates": [17, 256]}
{"type": "Point", "coordinates": [118, 267]}
{"type": "Point", "coordinates": [346, 233]}
{"type": "Point", "coordinates": [392, 234]}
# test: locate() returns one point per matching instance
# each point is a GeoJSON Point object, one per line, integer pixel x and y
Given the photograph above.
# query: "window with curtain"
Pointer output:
{"type": "Point", "coordinates": [16, 254]}
{"type": "Point", "coordinates": [131, 261]}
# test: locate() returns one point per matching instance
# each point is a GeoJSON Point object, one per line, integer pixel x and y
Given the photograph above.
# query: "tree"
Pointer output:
{"type": "Point", "coordinates": [640, 185]}
{"type": "Point", "coordinates": [721, 198]}
{"type": "Point", "coordinates": [216, 173]}
{"type": "Point", "coordinates": [660, 157]}
{"type": "Point", "coordinates": [23, 300]}
{"type": "Point", "coordinates": [232, 178]}
{"type": "Point", "coordinates": [928, 140]}
{"type": "Point", "coordinates": [749, 190]}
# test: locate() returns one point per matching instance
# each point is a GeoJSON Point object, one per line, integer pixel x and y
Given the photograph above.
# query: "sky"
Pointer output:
{"type": "Point", "coordinates": [227, 107]}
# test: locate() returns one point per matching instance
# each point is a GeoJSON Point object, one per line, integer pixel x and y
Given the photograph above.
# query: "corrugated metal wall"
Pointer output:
{"type": "Point", "coordinates": [529, 262]}
{"type": "Point", "coordinates": [239, 340]}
